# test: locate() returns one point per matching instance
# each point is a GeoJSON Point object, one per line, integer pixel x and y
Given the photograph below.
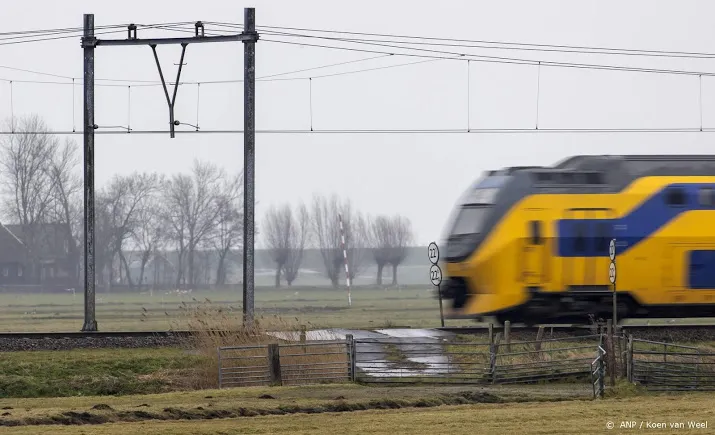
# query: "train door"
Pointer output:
{"type": "Point", "coordinates": [584, 237]}
{"type": "Point", "coordinates": [534, 250]}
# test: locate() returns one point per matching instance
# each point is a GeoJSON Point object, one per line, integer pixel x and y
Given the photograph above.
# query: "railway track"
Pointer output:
{"type": "Point", "coordinates": [21, 341]}
{"type": "Point", "coordinates": [92, 335]}
{"type": "Point", "coordinates": [661, 332]}
{"type": "Point", "coordinates": [15, 341]}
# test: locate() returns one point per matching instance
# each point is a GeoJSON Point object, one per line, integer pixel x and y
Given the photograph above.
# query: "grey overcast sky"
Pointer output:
{"type": "Point", "coordinates": [417, 175]}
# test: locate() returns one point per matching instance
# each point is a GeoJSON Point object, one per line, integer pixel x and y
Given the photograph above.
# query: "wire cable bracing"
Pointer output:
{"type": "Point", "coordinates": [198, 99]}
{"type": "Point", "coordinates": [700, 100]}
{"type": "Point", "coordinates": [538, 93]}
{"type": "Point", "coordinates": [12, 109]}
{"type": "Point", "coordinates": [468, 99]}
{"type": "Point", "coordinates": [129, 108]}
{"type": "Point", "coordinates": [74, 124]}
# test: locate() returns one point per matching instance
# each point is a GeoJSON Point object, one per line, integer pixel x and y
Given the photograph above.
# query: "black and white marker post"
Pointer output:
{"type": "Point", "coordinates": [612, 277]}
{"type": "Point", "coordinates": [435, 274]}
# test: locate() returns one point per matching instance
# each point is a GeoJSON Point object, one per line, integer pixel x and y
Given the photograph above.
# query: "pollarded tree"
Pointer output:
{"type": "Point", "coordinates": [401, 237]}
{"type": "Point", "coordinates": [286, 235]}
{"type": "Point", "coordinates": [298, 240]}
{"type": "Point", "coordinates": [325, 218]}
{"type": "Point", "coordinates": [380, 243]}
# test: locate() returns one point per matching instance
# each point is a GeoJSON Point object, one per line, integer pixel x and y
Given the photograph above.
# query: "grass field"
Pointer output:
{"type": "Point", "coordinates": [371, 308]}
{"type": "Point", "coordinates": [324, 410]}
{"type": "Point", "coordinates": [414, 306]}
{"type": "Point", "coordinates": [97, 372]}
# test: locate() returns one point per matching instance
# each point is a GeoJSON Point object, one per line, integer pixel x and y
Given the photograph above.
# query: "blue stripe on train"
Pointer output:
{"type": "Point", "coordinates": [629, 230]}
{"type": "Point", "coordinates": [701, 270]}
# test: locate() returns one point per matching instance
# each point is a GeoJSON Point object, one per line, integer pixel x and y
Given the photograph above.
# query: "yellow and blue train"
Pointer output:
{"type": "Point", "coordinates": [531, 244]}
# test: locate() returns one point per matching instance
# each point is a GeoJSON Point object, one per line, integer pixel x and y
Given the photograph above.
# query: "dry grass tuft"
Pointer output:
{"type": "Point", "coordinates": [219, 326]}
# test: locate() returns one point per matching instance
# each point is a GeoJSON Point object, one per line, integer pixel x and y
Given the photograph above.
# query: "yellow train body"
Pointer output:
{"type": "Point", "coordinates": [529, 265]}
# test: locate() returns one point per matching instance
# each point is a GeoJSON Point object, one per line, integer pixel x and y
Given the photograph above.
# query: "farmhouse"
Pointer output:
{"type": "Point", "coordinates": [38, 255]}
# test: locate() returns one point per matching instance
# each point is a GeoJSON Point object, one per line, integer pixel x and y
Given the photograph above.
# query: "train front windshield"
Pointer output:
{"type": "Point", "coordinates": [470, 215]}
{"type": "Point", "coordinates": [470, 220]}
{"type": "Point", "coordinates": [473, 208]}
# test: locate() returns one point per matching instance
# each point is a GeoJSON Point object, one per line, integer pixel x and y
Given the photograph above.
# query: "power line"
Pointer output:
{"type": "Point", "coordinates": [507, 45]}
{"type": "Point", "coordinates": [386, 131]}
{"type": "Point", "coordinates": [267, 78]}
{"type": "Point", "coordinates": [500, 60]}
{"type": "Point", "coordinates": [56, 30]}
{"type": "Point", "coordinates": [114, 26]}
{"type": "Point", "coordinates": [477, 57]}
{"type": "Point", "coordinates": [450, 56]}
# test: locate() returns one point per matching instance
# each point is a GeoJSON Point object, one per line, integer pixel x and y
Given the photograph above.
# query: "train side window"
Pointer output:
{"type": "Point", "coordinates": [675, 197]}
{"type": "Point", "coordinates": [706, 196]}
{"type": "Point", "coordinates": [579, 244]}
{"type": "Point", "coordinates": [535, 232]}
{"type": "Point", "coordinates": [594, 178]}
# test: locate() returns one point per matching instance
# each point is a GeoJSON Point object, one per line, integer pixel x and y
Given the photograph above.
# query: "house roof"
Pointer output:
{"type": "Point", "coordinates": [11, 247]}
{"type": "Point", "coordinates": [49, 238]}
{"type": "Point", "coordinates": [156, 257]}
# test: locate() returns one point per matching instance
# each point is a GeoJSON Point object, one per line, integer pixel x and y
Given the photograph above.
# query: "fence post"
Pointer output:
{"type": "Point", "coordinates": [351, 356]}
{"type": "Point", "coordinates": [539, 337]}
{"type": "Point", "coordinates": [220, 369]}
{"type": "Point", "coordinates": [602, 373]}
{"type": "Point", "coordinates": [629, 365]}
{"type": "Point", "coordinates": [493, 350]}
{"type": "Point", "coordinates": [491, 333]}
{"type": "Point", "coordinates": [623, 352]}
{"type": "Point", "coordinates": [302, 338]}
{"type": "Point", "coordinates": [274, 364]}
{"type": "Point", "coordinates": [610, 347]}
{"type": "Point", "coordinates": [507, 335]}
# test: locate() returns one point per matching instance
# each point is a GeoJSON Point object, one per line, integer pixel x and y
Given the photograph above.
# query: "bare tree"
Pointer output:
{"type": "Point", "coordinates": [125, 196]}
{"type": "Point", "coordinates": [277, 234]}
{"type": "Point", "coordinates": [67, 197]}
{"type": "Point", "coordinates": [299, 238]}
{"type": "Point", "coordinates": [176, 196]}
{"type": "Point", "coordinates": [103, 243]}
{"type": "Point", "coordinates": [193, 208]}
{"type": "Point", "coordinates": [380, 243]}
{"type": "Point", "coordinates": [286, 236]}
{"type": "Point", "coordinates": [148, 234]}
{"type": "Point", "coordinates": [228, 231]}
{"type": "Point", "coordinates": [26, 179]}
{"type": "Point", "coordinates": [401, 238]}
{"type": "Point", "coordinates": [326, 214]}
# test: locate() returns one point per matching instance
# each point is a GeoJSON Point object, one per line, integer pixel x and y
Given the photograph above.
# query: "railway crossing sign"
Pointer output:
{"type": "Point", "coordinates": [612, 273]}
{"type": "Point", "coordinates": [612, 266]}
{"type": "Point", "coordinates": [433, 253]}
{"type": "Point", "coordinates": [612, 278]}
{"type": "Point", "coordinates": [435, 275]}
{"type": "Point", "coordinates": [612, 249]}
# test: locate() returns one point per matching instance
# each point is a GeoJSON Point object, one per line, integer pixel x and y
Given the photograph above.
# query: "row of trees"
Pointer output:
{"type": "Point", "coordinates": [142, 215]}
{"type": "Point", "coordinates": [382, 240]}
